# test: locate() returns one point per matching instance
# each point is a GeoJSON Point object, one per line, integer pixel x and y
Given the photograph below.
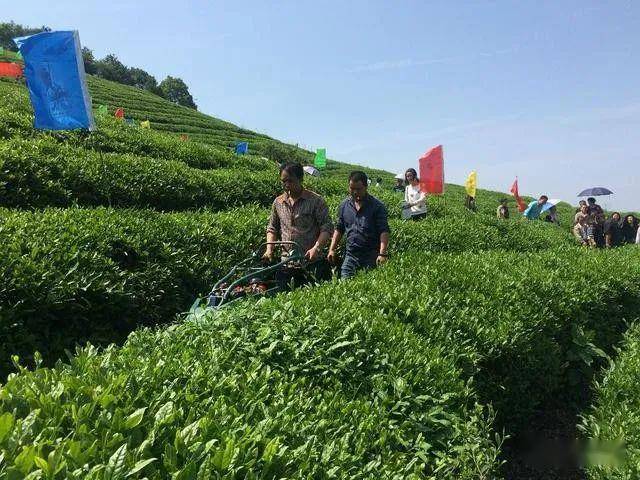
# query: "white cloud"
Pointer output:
{"type": "Point", "coordinates": [409, 62]}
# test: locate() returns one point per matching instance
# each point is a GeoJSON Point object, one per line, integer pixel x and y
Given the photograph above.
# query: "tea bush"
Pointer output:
{"type": "Point", "coordinates": [612, 427]}
{"type": "Point", "coordinates": [246, 394]}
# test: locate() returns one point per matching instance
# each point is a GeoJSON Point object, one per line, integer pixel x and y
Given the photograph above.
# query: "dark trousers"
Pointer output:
{"type": "Point", "coordinates": [318, 271]}
{"type": "Point", "coordinates": [352, 263]}
{"type": "Point", "coordinates": [419, 216]}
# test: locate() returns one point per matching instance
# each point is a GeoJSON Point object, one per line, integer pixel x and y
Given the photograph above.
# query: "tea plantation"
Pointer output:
{"type": "Point", "coordinates": [417, 370]}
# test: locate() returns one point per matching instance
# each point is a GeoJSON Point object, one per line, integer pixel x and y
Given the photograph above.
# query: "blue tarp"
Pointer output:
{"type": "Point", "coordinates": [55, 76]}
{"type": "Point", "coordinates": [242, 148]}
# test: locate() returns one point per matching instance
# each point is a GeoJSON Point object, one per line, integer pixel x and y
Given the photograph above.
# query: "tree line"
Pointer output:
{"type": "Point", "coordinates": [110, 67]}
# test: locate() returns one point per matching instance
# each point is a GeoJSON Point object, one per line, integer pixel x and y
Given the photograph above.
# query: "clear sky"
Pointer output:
{"type": "Point", "coordinates": [545, 90]}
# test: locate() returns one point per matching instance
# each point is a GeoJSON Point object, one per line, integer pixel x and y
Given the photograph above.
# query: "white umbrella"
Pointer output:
{"type": "Point", "coordinates": [552, 202]}
{"type": "Point", "coordinates": [313, 171]}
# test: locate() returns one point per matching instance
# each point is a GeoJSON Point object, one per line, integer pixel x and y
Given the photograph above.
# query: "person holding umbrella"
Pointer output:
{"type": "Point", "coordinates": [596, 223]}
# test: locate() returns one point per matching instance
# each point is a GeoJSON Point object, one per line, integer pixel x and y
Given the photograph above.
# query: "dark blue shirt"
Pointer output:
{"type": "Point", "coordinates": [363, 227]}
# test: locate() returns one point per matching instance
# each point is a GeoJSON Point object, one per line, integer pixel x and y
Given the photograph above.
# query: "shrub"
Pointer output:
{"type": "Point", "coordinates": [612, 426]}
{"type": "Point", "coordinates": [245, 394]}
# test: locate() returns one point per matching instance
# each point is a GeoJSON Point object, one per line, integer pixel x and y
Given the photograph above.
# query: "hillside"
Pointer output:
{"type": "Point", "coordinates": [414, 371]}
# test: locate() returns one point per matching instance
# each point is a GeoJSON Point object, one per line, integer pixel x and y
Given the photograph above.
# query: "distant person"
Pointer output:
{"type": "Point", "coordinates": [302, 216]}
{"type": "Point", "coordinates": [378, 182]}
{"type": "Point", "coordinates": [534, 209]}
{"type": "Point", "coordinates": [363, 219]}
{"type": "Point", "coordinates": [415, 200]}
{"type": "Point", "coordinates": [552, 216]}
{"type": "Point", "coordinates": [503, 209]}
{"type": "Point", "coordinates": [597, 221]}
{"type": "Point", "coordinates": [613, 236]}
{"type": "Point", "coordinates": [470, 203]}
{"type": "Point", "coordinates": [581, 224]}
{"type": "Point", "coordinates": [630, 228]}
{"type": "Point", "coordinates": [638, 237]}
{"type": "Point", "coordinates": [399, 186]}
{"type": "Point", "coordinates": [580, 204]}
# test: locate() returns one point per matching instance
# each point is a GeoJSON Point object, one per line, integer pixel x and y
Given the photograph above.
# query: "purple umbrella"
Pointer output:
{"type": "Point", "coordinates": [595, 192]}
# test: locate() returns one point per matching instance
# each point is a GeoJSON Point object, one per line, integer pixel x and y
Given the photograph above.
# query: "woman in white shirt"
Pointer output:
{"type": "Point", "coordinates": [638, 237]}
{"type": "Point", "coordinates": [413, 197]}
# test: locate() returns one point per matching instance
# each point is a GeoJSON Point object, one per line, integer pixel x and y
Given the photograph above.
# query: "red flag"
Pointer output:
{"type": "Point", "coordinates": [432, 171]}
{"type": "Point", "coordinates": [119, 113]}
{"type": "Point", "coordinates": [522, 206]}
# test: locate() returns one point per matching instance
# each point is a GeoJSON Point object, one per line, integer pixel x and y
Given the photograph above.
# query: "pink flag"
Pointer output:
{"type": "Point", "coordinates": [432, 171]}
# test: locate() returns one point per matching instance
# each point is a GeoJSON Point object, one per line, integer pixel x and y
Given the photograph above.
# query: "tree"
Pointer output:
{"type": "Point", "coordinates": [142, 79]}
{"type": "Point", "coordinates": [175, 90]}
{"type": "Point", "coordinates": [10, 30]}
{"type": "Point", "coordinates": [89, 61]}
{"type": "Point", "coordinates": [113, 69]}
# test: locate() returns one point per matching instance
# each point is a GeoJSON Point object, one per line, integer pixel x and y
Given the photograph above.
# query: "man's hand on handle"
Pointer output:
{"type": "Point", "coordinates": [312, 254]}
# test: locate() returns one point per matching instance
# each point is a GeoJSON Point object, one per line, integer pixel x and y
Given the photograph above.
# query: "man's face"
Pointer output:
{"type": "Point", "coordinates": [358, 190]}
{"type": "Point", "coordinates": [542, 201]}
{"type": "Point", "coordinates": [584, 209]}
{"type": "Point", "coordinates": [616, 217]}
{"type": "Point", "coordinates": [290, 183]}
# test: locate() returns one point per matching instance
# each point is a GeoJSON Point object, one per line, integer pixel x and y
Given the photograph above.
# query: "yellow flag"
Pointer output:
{"type": "Point", "coordinates": [145, 124]}
{"type": "Point", "coordinates": [471, 183]}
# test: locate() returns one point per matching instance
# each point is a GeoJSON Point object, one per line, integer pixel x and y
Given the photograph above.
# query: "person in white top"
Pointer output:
{"type": "Point", "coordinates": [414, 199]}
{"type": "Point", "coordinates": [638, 237]}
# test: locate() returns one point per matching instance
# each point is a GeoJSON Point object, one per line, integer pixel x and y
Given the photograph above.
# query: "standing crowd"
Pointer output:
{"type": "Point", "coordinates": [593, 229]}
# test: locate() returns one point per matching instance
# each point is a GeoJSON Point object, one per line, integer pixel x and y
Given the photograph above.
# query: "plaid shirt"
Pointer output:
{"type": "Point", "coordinates": [301, 222]}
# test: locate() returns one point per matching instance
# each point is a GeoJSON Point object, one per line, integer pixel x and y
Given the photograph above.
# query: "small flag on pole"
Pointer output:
{"type": "Point", "coordinates": [145, 124]}
{"type": "Point", "coordinates": [522, 206]}
{"type": "Point", "coordinates": [56, 80]}
{"type": "Point", "coordinates": [119, 112]}
{"type": "Point", "coordinates": [242, 148]}
{"type": "Point", "coordinates": [321, 158]}
{"type": "Point", "coordinates": [130, 121]}
{"type": "Point", "coordinates": [471, 184]}
{"type": "Point", "coordinates": [432, 171]}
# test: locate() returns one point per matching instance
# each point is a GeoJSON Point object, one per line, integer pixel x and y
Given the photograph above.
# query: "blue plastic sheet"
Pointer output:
{"type": "Point", "coordinates": [242, 148]}
{"type": "Point", "coordinates": [55, 76]}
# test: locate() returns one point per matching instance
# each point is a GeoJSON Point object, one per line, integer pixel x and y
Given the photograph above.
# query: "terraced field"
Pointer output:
{"type": "Point", "coordinates": [416, 370]}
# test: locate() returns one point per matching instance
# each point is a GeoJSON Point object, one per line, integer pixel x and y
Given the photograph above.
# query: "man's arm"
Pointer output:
{"type": "Point", "coordinates": [321, 214]}
{"type": "Point", "coordinates": [337, 236]}
{"type": "Point", "coordinates": [273, 231]}
{"type": "Point", "coordinates": [382, 222]}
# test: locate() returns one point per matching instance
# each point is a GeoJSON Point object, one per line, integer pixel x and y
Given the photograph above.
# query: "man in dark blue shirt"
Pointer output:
{"type": "Point", "coordinates": [363, 219]}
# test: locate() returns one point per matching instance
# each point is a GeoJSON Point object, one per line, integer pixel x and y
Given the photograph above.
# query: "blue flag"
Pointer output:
{"type": "Point", "coordinates": [242, 148]}
{"type": "Point", "coordinates": [56, 80]}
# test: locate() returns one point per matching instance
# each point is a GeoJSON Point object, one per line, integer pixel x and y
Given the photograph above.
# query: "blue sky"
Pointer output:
{"type": "Point", "coordinates": [546, 90]}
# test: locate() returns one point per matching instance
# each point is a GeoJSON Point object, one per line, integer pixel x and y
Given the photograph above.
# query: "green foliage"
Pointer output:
{"type": "Point", "coordinates": [176, 91]}
{"type": "Point", "coordinates": [612, 427]}
{"type": "Point", "coordinates": [11, 30]}
{"type": "Point", "coordinates": [286, 389]}
{"type": "Point", "coordinates": [44, 173]}
{"type": "Point", "coordinates": [75, 275]}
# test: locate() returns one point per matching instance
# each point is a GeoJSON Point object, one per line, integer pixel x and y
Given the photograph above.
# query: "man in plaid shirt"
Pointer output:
{"type": "Point", "coordinates": [302, 216]}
